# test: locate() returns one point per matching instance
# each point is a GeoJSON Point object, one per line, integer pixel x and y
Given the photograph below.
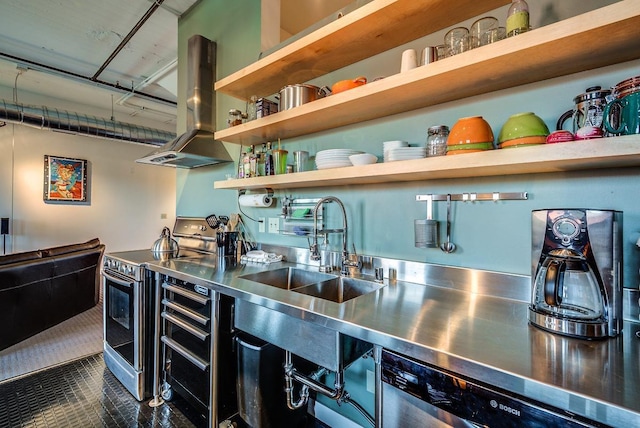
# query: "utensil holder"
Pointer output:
{"type": "Point", "coordinates": [426, 233]}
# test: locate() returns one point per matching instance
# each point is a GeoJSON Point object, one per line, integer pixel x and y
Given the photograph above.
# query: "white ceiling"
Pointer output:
{"type": "Point", "coordinates": [56, 48]}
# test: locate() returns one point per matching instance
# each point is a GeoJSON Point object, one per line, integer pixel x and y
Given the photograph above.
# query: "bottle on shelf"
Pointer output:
{"type": "Point", "coordinates": [517, 18]}
{"type": "Point", "coordinates": [253, 163]}
{"type": "Point", "coordinates": [246, 163]}
{"type": "Point", "coordinates": [269, 167]}
{"type": "Point", "coordinates": [252, 113]}
{"type": "Point", "coordinates": [261, 161]}
{"type": "Point", "coordinates": [241, 165]}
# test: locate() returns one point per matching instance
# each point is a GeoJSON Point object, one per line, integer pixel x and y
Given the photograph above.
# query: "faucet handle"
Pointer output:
{"type": "Point", "coordinates": [313, 249]}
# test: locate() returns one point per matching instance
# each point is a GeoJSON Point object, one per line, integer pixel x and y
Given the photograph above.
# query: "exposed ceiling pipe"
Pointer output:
{"type": "Point", "coordinates": [32, 65]}
{"type": "Point", "coordinates": [81, 124]}
{"type": "Point", "coordinates": [154, 6]}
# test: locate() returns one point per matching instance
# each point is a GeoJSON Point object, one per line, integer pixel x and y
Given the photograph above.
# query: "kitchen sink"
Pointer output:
{"type": "Point", "coordinates": [314, 342]}
{"type": "Point", "coordinates": [339, 289]}
{"type": "Point", "coordinates": [288, 278]}
{"type": "Point", "coordinates": [325, 286]}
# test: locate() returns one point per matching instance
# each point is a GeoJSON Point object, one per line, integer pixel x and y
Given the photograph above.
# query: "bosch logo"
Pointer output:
{"type": "Point", "coordinates": [493, 403]}
{"type": "Point", "coordinates": [508, 409]}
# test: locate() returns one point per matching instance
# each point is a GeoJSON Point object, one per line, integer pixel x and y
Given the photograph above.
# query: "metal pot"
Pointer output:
{"type": "Point", "coordinates": [165, 247]}
{"type": "Point", "coordinates": [295, 95]}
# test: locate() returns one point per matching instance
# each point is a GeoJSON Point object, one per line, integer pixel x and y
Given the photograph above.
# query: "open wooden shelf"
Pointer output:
{"type": "Point", "coordinates": [602, 37]}
{"type": "Point", "coordinates": [369, 30]}
{"type": "Point", "coordinates": [616, 152]}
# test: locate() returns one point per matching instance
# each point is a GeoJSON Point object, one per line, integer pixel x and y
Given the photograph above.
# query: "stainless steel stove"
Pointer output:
{"type": "Point", "coordinates": [129, 315]}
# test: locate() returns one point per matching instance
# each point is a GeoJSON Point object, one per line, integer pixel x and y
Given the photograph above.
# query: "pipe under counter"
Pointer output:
{"type": "Point", "coordinates": [466, 321]}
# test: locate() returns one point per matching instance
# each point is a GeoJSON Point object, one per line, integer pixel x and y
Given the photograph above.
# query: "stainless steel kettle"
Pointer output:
{"type": "Point", "coordinates": [165, 247]}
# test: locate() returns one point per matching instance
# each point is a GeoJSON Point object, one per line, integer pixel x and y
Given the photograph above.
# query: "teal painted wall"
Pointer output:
{"type": "Point", "coordinates": [235, 27]}
{"type": "Point", "coordinates": [493, 236]}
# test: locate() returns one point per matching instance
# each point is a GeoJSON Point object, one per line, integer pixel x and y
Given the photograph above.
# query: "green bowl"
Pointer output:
{"type": "Point", "coordinates": [470, 146]}
{"type": "Point", "coordinates": [523, 125]}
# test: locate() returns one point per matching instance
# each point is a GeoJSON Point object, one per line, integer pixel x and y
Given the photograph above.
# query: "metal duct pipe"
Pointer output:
{"type": "Point", "coordinates": [77, 123]}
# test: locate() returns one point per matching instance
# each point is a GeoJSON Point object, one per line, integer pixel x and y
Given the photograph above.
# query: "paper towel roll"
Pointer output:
{"type": "Point", "coordinates": [260, 200]}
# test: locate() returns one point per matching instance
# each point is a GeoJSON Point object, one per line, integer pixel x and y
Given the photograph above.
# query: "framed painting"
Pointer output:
{"type": "Point", "coordinates": [65, 179]}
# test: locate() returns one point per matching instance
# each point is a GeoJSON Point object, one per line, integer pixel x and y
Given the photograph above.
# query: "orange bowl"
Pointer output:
{"type": "Point", "coordinates": [470, 130]}
{"type": "Point", "coordinates": [344, 85]}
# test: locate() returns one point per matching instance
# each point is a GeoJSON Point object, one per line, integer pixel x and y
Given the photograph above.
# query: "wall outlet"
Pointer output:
{"type": "Point", "coordinates": [261, 225]}
{"type": "Point", "coordinates": [274, 225]}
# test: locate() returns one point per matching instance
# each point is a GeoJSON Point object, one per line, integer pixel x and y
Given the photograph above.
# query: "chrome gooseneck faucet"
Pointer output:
{"type": "Point", "coordinates": [315, 253]}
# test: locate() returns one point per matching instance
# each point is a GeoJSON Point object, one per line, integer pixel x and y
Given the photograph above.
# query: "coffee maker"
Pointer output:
{"type": "Point", "coordinates": [576, 268]}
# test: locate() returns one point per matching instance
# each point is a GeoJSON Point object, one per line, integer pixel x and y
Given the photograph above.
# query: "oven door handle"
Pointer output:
{"type": "Point", "coordinates": [120, 281]}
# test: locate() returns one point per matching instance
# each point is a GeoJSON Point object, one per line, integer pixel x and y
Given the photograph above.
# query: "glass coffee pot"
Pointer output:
{"type": "Point", "coordinates": [567, 287]}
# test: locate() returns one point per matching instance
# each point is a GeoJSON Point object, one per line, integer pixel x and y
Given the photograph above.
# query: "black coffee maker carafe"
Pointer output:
{"type": "Point", "coordinates": [577, 272]}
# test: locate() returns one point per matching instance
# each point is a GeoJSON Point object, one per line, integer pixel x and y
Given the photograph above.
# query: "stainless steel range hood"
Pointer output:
{"type": "Point", "coordinates": [196, 147]}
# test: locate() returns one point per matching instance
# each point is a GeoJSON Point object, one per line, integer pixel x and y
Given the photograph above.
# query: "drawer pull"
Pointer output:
{"type": "Point", "coordinates": [195, 360]}
{"type": "Point", "coordinates": [202, 335]}
{"type": "Point", "coordinates": [191, 295]}
{"type": "Point", "coordinates": [187, 312]}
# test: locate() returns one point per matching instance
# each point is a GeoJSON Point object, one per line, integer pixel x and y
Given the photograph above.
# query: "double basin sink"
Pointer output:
{"type": "Point", "coordinates": [325, 286]}
{"type": "Point", "coordinates": [308, 339]}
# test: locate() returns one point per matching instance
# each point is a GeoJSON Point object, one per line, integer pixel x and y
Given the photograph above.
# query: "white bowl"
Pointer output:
{"type": "Point", "coordinates": [363, 159]}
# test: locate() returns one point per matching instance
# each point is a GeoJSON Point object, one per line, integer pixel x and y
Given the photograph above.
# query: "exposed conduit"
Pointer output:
{"type": "Point", "coordinates": [156, 4]}
{"type": "Point", "coordinates": [81, 124]}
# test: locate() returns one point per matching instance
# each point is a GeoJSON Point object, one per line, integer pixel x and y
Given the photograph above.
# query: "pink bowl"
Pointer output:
{"type": "Point", "coordinates": [559, 137]}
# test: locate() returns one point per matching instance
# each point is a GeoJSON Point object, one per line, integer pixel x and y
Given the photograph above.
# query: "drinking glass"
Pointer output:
{"type": "Point", "coordinates": [482, 31]}
{"type": "Point", "coordinates": [457, 40]}
{"type": "Point", "coordinates": [280, 161]}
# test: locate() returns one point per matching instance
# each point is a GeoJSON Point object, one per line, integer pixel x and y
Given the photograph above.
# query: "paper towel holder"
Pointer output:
{"type": "Point", "coordinates": [260, 191]}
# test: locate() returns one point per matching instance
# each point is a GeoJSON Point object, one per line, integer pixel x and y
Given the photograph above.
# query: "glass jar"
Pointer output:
{"type": "Point", "coordinates": [235, 117]}
{"type": "Point", "coordinates": [437, 140]}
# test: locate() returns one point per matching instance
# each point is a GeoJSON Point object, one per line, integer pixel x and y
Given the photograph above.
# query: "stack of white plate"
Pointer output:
{"type": "Point", "coordinates": [334, 158]}
{"type": "Point", "coordinates": [405, 153]}
{"type": "Point", "coordinates": [389, 145]}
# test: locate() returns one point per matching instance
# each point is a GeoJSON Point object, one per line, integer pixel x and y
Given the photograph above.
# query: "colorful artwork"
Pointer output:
{"type": "Point", "coordinates": [65, 179]}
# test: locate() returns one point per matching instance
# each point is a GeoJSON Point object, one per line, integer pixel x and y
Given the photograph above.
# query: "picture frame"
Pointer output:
{"type": "Point", "coordinates": [65, 180]}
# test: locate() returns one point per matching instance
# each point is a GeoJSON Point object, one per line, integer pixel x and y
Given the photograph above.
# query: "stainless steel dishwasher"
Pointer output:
{"type": "Point", "coordinates": [416, 394]}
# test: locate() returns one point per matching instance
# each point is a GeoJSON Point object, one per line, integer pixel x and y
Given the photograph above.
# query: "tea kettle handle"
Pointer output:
{"type": "Point", "coordinates": [562, 119]}
{"type": "Point", "coordinates": [553, 282]}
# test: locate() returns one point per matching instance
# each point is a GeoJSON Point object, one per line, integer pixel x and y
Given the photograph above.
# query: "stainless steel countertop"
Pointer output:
{"type": "Point", "coordinates": [461, 329]}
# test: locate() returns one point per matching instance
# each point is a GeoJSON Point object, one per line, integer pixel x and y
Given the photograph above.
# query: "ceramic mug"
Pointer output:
{"type": "Point", "coordinates": [625, 117]}
{"type": "Point", "coordinates": [409, 60]}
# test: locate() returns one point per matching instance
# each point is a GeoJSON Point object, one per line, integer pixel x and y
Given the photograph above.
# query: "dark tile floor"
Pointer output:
{"type": "Point", "coordinates": [80, 394]}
